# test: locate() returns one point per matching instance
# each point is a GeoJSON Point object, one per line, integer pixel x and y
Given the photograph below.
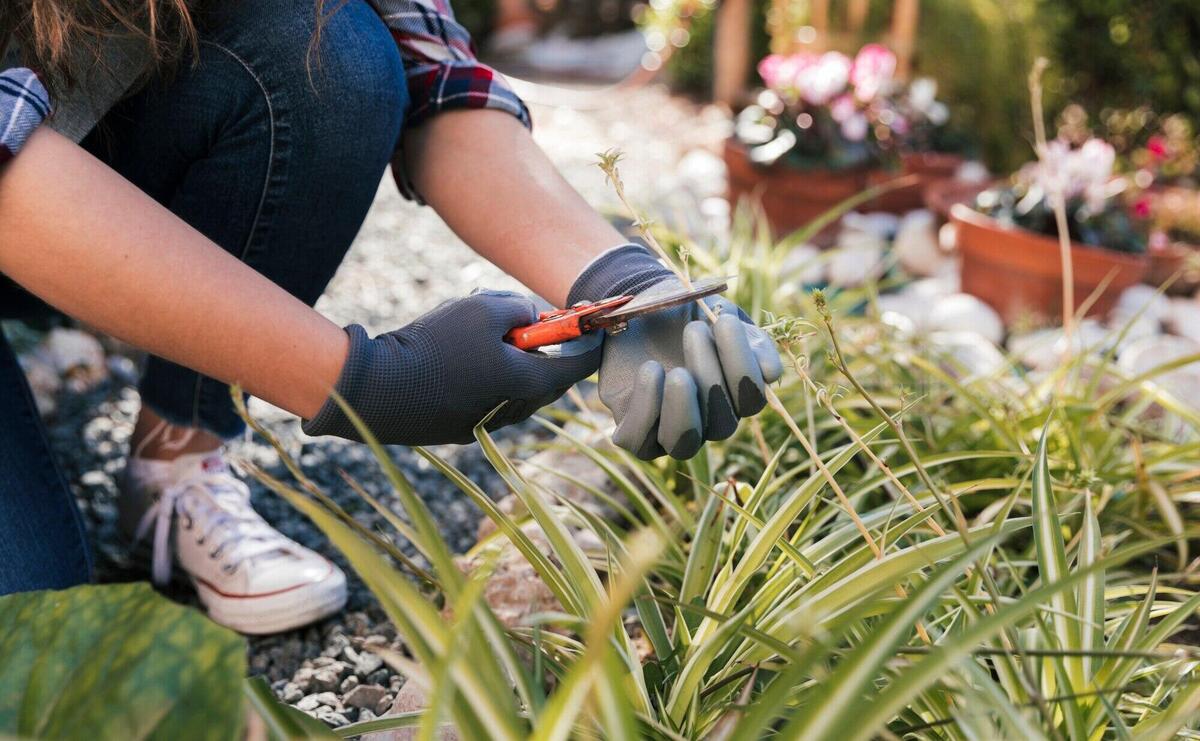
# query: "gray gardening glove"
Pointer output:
{"type": "Point", "coordinates": [432, 381]}
{"type": "Point", "coordinates": [671, 379]}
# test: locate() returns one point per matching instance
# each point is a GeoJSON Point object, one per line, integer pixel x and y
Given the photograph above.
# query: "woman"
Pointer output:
{"type": "Point", "coordinates": [228, 154]}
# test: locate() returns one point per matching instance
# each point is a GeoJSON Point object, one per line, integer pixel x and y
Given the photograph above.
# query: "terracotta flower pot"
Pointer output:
{"type": "Point", "coordinates": [1019, 273]}
{"type": "Point", "coordinates": [790, 198]}
{"type": "Point", "coordinates": [929, 167]}
{"type": "Point", "coordinates": [1178, 260]}
{"type": "Point", "coordinates": [940, 196]}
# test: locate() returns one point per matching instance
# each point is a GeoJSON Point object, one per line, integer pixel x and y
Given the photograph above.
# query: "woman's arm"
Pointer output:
{"type": "Point", "coordinates": [84, 240]}
{"type": "Point", "coordinates": [483, 173]}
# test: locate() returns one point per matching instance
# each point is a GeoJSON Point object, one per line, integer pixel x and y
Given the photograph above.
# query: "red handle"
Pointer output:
{"type": "Point", "coordinates": [552, 328]}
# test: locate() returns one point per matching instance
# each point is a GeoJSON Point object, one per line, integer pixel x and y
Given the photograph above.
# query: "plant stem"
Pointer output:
{"type": "Point", "coordinates": [1057, 203]}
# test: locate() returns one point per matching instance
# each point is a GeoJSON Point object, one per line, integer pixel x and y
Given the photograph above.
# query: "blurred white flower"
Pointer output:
{"type": "Point", "coordinates": [1086, 172]}
{"type": "Point", "coordinates": [855, 127]}
{"type": "Point", "coordinates": [821, 82]}
{"type": "Point", "coordinates": [874, 66]}
{"type": "Point", "coordinates": [922, 94]}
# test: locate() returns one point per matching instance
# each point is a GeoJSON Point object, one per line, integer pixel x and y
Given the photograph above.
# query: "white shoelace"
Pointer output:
{"type": "Point", "coordinates": [220, 503]}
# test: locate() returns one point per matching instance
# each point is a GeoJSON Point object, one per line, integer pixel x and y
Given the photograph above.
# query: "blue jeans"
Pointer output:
{"type": "Point", "coordinates": [272, 152]}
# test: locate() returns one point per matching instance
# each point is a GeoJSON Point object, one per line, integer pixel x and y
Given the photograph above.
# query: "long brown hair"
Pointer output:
{"type": "Point", "coordinates": [62, 39]}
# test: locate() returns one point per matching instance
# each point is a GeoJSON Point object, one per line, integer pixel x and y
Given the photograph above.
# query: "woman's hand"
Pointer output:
{"type": "Point", "coordinates": [432, 381]}
{"type": "Point", "coordinates": [671, 379]}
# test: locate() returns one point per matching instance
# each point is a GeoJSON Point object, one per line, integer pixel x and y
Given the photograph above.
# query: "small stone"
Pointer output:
{"type": "Point", "coordinates": [368, 663]}
{"type": "Point", "coordinates": [325, 680]}
{"type": "Point", "coordinates": [349, 683]}
{"type": "Point", "coordinates": [365, 696]}
{"type": "Point", "coordinates": [304, 678]}
{"type": "Point", "coordinates": [365, 714]}
{"type": "Point", "coordinates": [123, 369]}
{"type": "Point", "coordinates": [291, 693]}
{"type": "Point", "coordinates": [307, 703]}
{"type": "Point", "coordinates": [76, 355]}
{"type": "Point", "coordinates": [379, 676]}
{"type": "Point", "coordinates": [333, 718]}
{"type": "Point", "coordinates": [385, 704]}
{"type": "Point", "coordinates": [330, 699]}
{"type": "Point", "coordinates": [94, 478]}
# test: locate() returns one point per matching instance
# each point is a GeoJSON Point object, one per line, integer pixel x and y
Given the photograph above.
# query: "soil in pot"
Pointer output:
{"type": "Point", "coordinates": [1019, 272]}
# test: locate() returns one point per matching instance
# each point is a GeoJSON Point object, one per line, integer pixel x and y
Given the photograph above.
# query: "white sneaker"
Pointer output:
{"type": "Point", "coordinates": [250, 576]}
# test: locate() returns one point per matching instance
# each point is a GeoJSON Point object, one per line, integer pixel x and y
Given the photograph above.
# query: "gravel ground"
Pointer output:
{"type": "Point", "coordinates": [404, 262]}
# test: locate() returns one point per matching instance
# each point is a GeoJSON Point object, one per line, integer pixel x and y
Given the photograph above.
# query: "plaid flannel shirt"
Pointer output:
{"type": "Point", "coordinates": [23, 105]}
{"type": "Point", "coordinates": [439, 60]}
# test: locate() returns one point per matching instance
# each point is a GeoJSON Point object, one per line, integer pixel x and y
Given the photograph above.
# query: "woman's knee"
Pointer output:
{"type": "Point", "coordinates": [338, 85]}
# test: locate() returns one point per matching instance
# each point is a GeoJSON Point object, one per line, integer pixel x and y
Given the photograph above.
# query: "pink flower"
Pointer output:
{"type": "Point", "coordinates": [1157, 147]}
{"type": "Point", "coordinates": [1159, 241]}
{"type": "Point", "coordinates": [769, 70]}
{"type": "Point", "coordinates": [823, 80]}
{"type": "Point", "coordinates": [1141, 208]}
{"type": "Point", "coordinates": [855, 128]}
{"type": "Point", "coordinates": [842, 107]}
{"type": "Point", "coordinates": [872, 71]}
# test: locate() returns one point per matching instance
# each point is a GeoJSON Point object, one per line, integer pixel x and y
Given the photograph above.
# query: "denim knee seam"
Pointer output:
{"type": "Point", "coordinates": [274, 178]}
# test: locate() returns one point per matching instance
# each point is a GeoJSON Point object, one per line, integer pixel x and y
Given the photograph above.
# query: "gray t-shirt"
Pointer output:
{"type": "Point", "coordinates": [77, 112]}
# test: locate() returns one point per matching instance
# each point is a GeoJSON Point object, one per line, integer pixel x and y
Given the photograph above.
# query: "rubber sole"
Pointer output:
{"type": "Point", "coordinates": [278, 612]}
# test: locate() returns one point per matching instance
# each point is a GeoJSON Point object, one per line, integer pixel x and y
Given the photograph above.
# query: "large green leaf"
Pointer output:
{"type": "Point", "coordinates": [116, 661]}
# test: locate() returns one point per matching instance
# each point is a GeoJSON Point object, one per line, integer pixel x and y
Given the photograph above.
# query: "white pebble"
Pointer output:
{"type": "Point", "coordinates": [1043, 349]}
{"type": "Point", "coordinates": [1136, 298]}
{"type": "Point", "coordinates": [971, 355]}
{"type": "Point", "coordinates": [962, 312]}
{"type": "Point", "coordinates": [973, 171]}
{"type": "Point", "coordinates": [803, 265]}
{"type": "Point", "coordinates": [916, 243]}
{"type": "Point", "coordinates": [912, 309]}
{"type": "Point", "coordinates": [1183, 318]}
{"type": "Point", "coordinates": [931, 289]}
{"type": "Point", "coordinates": [878, 223]}
{"type": "Point", "coordinates": [853, 265]}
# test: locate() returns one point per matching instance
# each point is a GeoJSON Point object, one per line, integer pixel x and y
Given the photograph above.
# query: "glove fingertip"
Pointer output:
{"type": "Point", "coordinates": [681, 429]}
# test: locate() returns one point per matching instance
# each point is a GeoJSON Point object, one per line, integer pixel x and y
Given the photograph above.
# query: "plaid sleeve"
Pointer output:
{"type": "Point", "coordinates": [443, 73]}
{"type": "Point", "coordinates": [24, 104]}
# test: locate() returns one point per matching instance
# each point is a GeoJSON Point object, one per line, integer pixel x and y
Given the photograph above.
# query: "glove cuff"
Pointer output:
{"type": "Point", "coordinates": [330, 419]}
{"type": "Point", "coordinates": [630, 268]}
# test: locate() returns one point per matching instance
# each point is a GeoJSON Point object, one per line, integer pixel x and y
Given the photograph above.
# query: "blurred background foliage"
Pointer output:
{"type": "Point", "coordinates": [1105, 54]}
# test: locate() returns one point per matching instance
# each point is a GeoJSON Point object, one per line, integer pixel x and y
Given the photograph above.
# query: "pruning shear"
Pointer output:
{"type": "Point", "coordinates": [612, 314]}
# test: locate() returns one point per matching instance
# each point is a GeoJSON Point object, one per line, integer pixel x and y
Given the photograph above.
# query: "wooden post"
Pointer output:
{"type": "Point", "coordinates": [856, 15]}
{"type": "Point", "coordinates": [731, 51]}
{"type": "Point", "coordinates": [904, 32]}
{"type": "Point", "coordinates": [819, 11]}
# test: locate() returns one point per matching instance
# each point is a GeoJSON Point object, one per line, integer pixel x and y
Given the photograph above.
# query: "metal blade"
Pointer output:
{"type": "Point", "coordinates": [659, 298]}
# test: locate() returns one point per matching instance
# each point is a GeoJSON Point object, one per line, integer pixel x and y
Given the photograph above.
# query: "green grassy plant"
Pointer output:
{"type": "Point", "coordinates": [1008, 556]}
